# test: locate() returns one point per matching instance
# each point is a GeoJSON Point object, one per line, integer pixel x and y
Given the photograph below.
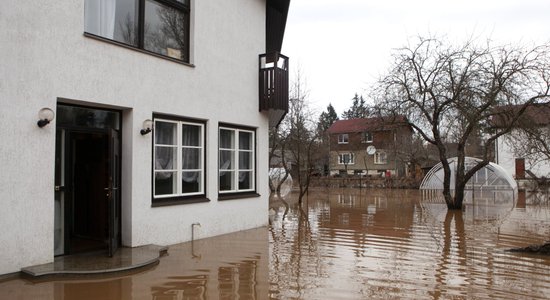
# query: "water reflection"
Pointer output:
{"type": "Point", "coordinates": [356, 244]}
{"type": "Point", "coordinates": [190, 287]}
{"type": "Point", "coordinates": [225, 267]}
{"type": "Point", "coordinates": [346, 244]}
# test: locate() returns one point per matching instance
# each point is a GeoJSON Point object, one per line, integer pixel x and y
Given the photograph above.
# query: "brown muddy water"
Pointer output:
{"type": "Point", "coordinates": [346, 244]}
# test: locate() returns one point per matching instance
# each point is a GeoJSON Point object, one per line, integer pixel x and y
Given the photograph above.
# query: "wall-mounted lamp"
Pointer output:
{"type": "Point", "coordinates": [45, 116]}
{"type": "Point", "coordinates": [147, 127]}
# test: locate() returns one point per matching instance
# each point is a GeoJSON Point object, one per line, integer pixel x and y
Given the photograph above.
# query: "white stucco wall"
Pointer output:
{"type": "Point", "coordinates": [44, 57]}
{"type": "Point", "coordinates": [507, 159]}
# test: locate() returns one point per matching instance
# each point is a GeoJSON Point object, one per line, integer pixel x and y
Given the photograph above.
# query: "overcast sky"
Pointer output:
{"type": "Point", "coordinates": [343, 46]}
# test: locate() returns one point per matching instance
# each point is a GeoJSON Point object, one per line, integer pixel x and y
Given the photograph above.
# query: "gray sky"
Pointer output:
{"type": "Point", "coordinates": [343, 46]}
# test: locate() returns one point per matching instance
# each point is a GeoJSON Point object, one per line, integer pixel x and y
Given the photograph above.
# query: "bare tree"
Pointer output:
{"type": "Point", "coordinates": [277, 151]}
{"type": "Point", "coordinates": [531, 140]}
{"type": "Point", "coordinates": [451, 93]}
{"type": "Point", "coordinates": [128, 30]}
{"type": "Point", "coordinates": [168, 33]}
{"type": "Point", "coordinates": [298, 135]}
{"type": "Point", "coordinates": [173, 30]}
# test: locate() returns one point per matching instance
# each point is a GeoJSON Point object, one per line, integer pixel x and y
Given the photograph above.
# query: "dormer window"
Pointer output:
{"type": "Point", "coordinates": [343, 138]}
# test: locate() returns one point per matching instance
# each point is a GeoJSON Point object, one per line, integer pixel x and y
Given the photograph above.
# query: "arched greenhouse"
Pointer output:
{"type": "Point", "coordinates": [490, 195]}
{"type": "Point", "coordinates": [491, 176]}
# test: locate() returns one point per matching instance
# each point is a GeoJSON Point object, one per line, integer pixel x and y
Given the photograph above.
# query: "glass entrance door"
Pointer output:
{"type": "Point", "coordinates": [113, 191]}
{"type": "Point", "coordinates": [59, 205]}
{"type": "Point", "coordinates": [87, 201]}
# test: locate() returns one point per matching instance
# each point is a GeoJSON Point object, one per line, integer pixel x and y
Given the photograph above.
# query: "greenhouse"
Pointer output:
{"type": "Point", "coordinates": [275, 177]}
{"type": "Point", "coordinates": [491, 176]}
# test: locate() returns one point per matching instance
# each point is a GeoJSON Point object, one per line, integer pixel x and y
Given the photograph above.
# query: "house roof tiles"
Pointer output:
{"type": "Point", "coordinates": [366, 124]}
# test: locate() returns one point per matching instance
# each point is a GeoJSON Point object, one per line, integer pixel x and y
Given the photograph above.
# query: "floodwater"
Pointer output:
{"type": "Point", "coordinates": [347, 244]}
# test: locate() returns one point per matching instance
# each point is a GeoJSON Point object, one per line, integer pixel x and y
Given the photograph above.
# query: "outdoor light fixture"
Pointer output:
{"type": "Point", "coordinates": [45, 116]}
{"type": "Point", "coordinates": [147, 127]}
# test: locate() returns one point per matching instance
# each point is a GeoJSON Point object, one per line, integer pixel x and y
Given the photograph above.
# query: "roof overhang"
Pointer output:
{"type": "Point", "coordinates": [276, 15]}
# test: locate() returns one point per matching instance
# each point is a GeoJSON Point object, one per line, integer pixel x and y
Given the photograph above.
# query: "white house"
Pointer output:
{"type": "Point", "coordinates": [511, 151]}
{"type": "Point", "coordinates": [124, 122]}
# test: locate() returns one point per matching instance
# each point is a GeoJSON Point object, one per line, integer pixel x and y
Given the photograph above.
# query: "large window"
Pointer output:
{"type": "Point", "coordinates": [178, 159]}
{"type": "Point", "coordinates": [157, 26]}
{"type": "Point", "coordinates": [236, 160]}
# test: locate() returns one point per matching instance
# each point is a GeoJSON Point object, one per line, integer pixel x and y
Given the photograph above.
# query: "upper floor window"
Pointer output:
{"type": "Point", "coordinates": [346, 159]}
{"type": "Point", "coordinates": [158, 26]}
{"type": "Point", "coordinates": [343, 138]}
{"type": "Point", "coordinates": [237, 167]}
{"type": "Point", "coordinates": [178, 153]}
{"type": "Point", "coordinates": [367, 137]}
{"type": "Point", "coordinates": [380, 158]}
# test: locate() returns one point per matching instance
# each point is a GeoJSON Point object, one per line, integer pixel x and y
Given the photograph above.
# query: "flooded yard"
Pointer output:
{"type": "Point", "coordinates": [359, 244]}
{"type": "Point", "coordinates": [346, 244]}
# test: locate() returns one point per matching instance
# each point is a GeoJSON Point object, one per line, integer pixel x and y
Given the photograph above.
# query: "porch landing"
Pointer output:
{"type": "Point", "coordinates": [125, 259]}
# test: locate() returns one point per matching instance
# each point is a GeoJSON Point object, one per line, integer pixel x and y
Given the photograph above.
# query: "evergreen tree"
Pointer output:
{"type": "Point", "coordinates": [326, 119]}
{"type": "Point", "coordinates": [357, 110]}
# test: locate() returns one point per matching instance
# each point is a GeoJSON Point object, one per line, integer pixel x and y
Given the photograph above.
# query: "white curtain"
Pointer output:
{"type": "Point", "coordinates": [100, 17]}
{"type": "Point", "coordinates": [165, 156]}
{"type": "Point", "coordinates": [164, 159]}
{"type": "Point", "coordinates": [190, 156]}
{"type": "Point", "coordinates": [243, 176]}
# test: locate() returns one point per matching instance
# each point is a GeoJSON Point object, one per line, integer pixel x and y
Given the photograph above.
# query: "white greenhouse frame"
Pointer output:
{"type": "Point", "coordinates": [492, 176]}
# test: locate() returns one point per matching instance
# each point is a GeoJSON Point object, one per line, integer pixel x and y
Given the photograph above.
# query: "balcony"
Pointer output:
{"type": "Point", "coordinates": [274, 86]}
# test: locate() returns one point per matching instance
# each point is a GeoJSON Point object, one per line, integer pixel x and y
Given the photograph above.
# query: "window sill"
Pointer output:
{"type": "Point", "coordinates": [106, 40]}
{"type": "Point", "coordinates": [178, 201]}
{"type": "Point", "coordinates": [235, 196]}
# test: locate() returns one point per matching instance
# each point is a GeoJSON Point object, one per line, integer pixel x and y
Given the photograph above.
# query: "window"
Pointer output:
{"type": "Point", "coordinates": [346, 159]}
{"type": "Point", "coordinates": [160, 27]}
{"type": "Point", "coordinates": [343, 138]}
{"type": "Point", "coordinates": [236, 160]}
{"type": "Point", "coordinates": [178, 159]}
{"type": "Point", "coordinates": [367, 137]}
{"type": "Point", "coordinates": [380, 158]}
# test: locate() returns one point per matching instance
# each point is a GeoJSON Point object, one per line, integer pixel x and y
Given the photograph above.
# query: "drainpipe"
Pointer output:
{"type": "Point", "coordinates": [193, 230]}
{"type": "Point", "coordinates": [193, 239]}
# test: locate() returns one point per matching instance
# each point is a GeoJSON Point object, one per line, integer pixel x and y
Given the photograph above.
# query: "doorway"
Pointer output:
{"type": "Point", "coordinates": [87, 200]}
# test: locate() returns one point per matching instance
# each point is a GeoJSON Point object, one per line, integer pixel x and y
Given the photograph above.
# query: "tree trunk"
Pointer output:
{"type": "Point", "coordinates": [456, 203]}
{"type": "Point", "coordinates": [446, 176]}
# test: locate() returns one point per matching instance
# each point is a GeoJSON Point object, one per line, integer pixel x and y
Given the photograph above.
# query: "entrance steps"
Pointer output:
{"type": "Point", "coordinates": [97, 263]}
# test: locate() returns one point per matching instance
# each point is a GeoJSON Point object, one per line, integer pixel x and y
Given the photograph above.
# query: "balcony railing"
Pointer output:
{"type": "Point", "coordinates": [274, 86]}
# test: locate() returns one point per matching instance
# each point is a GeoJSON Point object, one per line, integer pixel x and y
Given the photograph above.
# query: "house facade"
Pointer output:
{"type": "Point", "coordinates": [513, 153]}
{"type": "Point", "coordinates": [370, 146]}
{"type": "Point", "coordinates": [125, 122]}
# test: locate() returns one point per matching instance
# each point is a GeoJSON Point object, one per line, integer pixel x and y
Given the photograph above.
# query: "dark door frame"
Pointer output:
{"type": "Point", "coordinates": [114, 234]}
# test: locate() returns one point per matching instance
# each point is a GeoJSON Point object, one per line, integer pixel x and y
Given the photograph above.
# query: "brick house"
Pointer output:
{"type": "Point", "coordinates": [370, 146]}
